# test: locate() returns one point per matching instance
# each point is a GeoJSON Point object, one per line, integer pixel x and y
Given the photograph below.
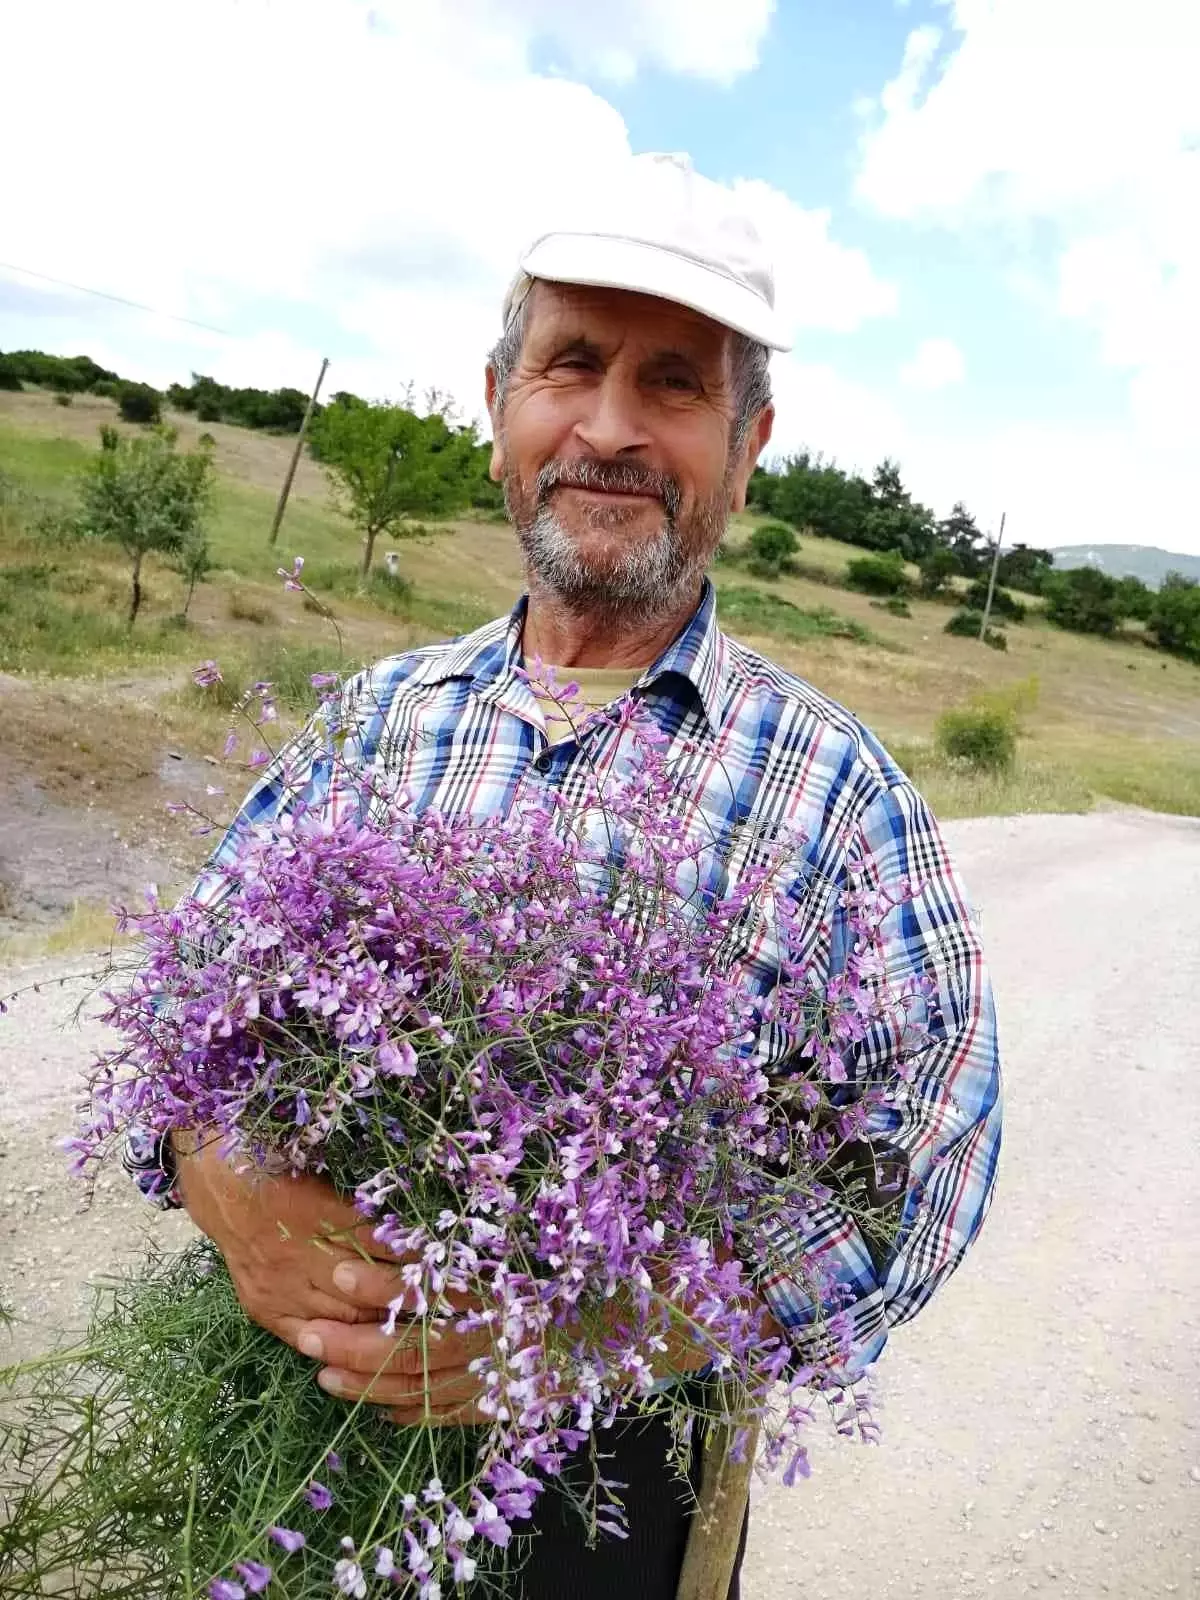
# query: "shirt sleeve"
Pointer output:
{"type": "Point", "coordinates": [943, 1112]}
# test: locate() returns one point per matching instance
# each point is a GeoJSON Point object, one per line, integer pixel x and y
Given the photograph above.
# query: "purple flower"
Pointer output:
{"type": "Point", "coordinates": [291, 580]}
{"type": "Point", "coordinates": [333, 1461]}
{"type": "Point", "coordinates": [318, 1496]}
{"type": "Point", "coordinates": [254, 1574]}
{"type": "Point", "coordinates": [323, 680]}
{"type": "Point", "coordinates": [225, 1589]}
{"type": "Point", "coordinates": [258, 759]}
{"type": "Point", "coordinates": [206, 675]}
{"type": "Point", "coordinates": [288, 1539]}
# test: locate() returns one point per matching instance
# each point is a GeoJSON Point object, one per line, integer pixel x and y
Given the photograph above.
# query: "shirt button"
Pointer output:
{"type": "Point", "coordinates": [544, 762]}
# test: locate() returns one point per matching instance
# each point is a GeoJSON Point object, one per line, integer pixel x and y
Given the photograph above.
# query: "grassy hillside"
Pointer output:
{"type": "Point", "coordinates": [1112, 720]}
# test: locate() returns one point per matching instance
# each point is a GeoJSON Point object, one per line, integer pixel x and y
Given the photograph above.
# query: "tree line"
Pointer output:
{"type": "Point", "coordinates": [393, 464]}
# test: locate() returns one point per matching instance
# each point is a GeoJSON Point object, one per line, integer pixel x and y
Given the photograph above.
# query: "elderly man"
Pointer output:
{"type": "Point", "coordinates": [630, 400]}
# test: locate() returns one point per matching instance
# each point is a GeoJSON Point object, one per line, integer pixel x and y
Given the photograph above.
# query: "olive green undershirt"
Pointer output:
{"type": "Point", "coordinates": [598, 686]}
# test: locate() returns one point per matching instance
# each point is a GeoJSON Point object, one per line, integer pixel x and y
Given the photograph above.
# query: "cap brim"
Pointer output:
{"type": "Point", "coordinates": [609, 263]}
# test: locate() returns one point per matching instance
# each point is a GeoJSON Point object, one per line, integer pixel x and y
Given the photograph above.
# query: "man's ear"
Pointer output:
{"type": "Point", "coordinates": [756, 442]}
{"type": "Point", "coordinates": [491, 391]}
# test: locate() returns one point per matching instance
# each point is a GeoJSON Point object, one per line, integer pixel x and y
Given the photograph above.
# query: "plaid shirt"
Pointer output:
{"type": "Point", "coordinates": [462, 731]}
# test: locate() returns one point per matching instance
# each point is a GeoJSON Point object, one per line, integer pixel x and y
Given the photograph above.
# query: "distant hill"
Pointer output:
{"type": "Point", "coordinates": [1142, 561]}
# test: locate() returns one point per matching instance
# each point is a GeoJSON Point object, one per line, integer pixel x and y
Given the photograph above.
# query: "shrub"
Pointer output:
{"type": "Point", "coordinates": [769, 549]}
{"type": "Point", "coordinates": [965, 624]}
{"type": "Point", "coordinates": [245, 608]}
{"type": "Point", "coordinates": [937, 569]}
{"type": "Point", "coordinates": [882, 574]}
{"type": "Point", "coordinates": [107, 389]}
{"type": "Point", "coordinates": [756, 612]}
{"type": "Point", "coordinates": [995, 640]}
{"type": "Point", "coordinates": [1003, 604]}
{"type": "Point", "coordinates": [894, 606]}
{"type": "Point", "coordinates": [982, 736]}
{"type": "Point", "coordinates": [138, 402]}
{"type": "Point", "coordinates": [10, 378]}
{"type": "Point", "coordinates": [1083, 599]}
{"type": "Point", "coordinates": [1174, 619]}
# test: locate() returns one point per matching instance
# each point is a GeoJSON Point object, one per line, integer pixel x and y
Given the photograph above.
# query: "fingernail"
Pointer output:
{"type": "Point", "coordinates": [330, 1381]}
{"type": "Point", "coordinates": [345, 1278]}
{"type": "Point", "coordinates": [310, 1345]}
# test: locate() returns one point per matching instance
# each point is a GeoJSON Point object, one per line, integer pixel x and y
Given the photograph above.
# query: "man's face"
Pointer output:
{"type": "Point", "coordinates": [614, 443]}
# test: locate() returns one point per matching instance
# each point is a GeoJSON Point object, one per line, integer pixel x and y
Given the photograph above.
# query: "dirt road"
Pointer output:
{"type": "Point", "coordinates": [1042, 1418]}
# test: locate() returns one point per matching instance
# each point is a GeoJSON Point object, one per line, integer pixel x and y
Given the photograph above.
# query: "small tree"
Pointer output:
{"type": "Point", "coordinates": [143, 496]}
{"type": "Point", "coordinates": [1083, 599]}
{"type": "Point", "coordinates": [193, 562]}
{"type": "Point", "coordinates": [937, 569]}
{"type": "Point", "coordinates": [1174, 621]}
{"type": "Point", "coordinates": [770, 547]}
{"type": "Point", "coordinates": [138, 402]}
{"type": "Point", "coordinates": [882, 574]}
{"type": "Point", "coordinates": [389, 465]}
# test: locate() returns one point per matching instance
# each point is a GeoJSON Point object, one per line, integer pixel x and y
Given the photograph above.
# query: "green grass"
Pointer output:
{"type": "Point", "coordinates": [760, 611]}
{"type": "Point", "coordinates": [1113, 720]}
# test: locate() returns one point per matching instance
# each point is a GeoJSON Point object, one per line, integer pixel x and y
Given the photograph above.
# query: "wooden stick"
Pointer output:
{"type": "Point", "coordinates": [716, 1529]}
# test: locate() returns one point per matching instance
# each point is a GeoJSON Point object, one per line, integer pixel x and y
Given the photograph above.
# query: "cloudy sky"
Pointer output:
{"type": "Point", "coordinates": [986, 213]}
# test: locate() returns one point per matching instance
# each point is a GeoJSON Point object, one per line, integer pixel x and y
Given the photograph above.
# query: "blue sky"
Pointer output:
{"type": "Point", "coordinates": [986, 213]}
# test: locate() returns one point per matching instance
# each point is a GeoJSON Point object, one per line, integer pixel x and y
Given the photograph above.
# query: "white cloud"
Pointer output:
{"type": "Point", "coordinates": [1071, 131]}
{"type": "Point", "coordinates": [317, 175]}
{"type": "Point", "coordinates": [935, 364]}
{"type": "Point", "coordinates": [703, 38]}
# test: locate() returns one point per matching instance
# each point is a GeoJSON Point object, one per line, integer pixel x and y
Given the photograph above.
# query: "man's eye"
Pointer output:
{"type": "Point", "coordinates": [576, 363]}
{"type": "Point", "coordinates": [680, 381]}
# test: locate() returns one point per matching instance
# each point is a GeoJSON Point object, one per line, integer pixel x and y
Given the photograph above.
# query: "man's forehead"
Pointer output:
{"type": "Point", "coordinates": [603, 314]}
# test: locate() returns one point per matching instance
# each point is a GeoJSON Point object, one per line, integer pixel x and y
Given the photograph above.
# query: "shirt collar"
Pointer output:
{"type": "Point", "coordinates": [697, 654]}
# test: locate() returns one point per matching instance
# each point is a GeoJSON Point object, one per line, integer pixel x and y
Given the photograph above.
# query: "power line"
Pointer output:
{"type": "Point", "coordinates": [117, 299]}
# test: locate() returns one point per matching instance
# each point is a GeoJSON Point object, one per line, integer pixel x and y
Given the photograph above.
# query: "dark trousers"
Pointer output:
{"type": "Point", "coordinates": [646, 1565]}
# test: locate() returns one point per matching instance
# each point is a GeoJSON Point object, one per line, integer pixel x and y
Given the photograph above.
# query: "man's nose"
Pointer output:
{"type": "Point", "coordinates": [613, 422]}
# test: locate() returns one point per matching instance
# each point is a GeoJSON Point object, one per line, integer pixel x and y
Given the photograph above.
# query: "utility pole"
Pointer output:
{"type": "Point", "coordinates": [987, 610]}
{"type": "Point", "coordinates": [295, 461]}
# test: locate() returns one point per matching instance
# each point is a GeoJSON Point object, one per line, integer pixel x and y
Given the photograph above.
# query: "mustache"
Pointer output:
{"type": "Point", "coordinates": [615, 477]}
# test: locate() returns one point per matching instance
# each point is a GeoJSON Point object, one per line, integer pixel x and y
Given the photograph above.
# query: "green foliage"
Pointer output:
{"type": "Point", "coordinates": [1003, 604]}
{"type": "Point", "coordinates": [64, 398]}
{"type": "Point", "coordinates": [1025, 568]}
{"type": "Point", "coordinates": [138, 402]}
{"type": "Point", "coordinates": [143, 496]}
{"type": "Point", "coordinates": [982, 736]}
{"type": "Point", "coordinates": [894, 605]}
{"type": "Point", "coordinates": [1083, 599]}
{"type": "Point", "coordinates": [10, 377]}
{"type": "Point", "coordinates": [770, 549]}
{"type": "Point", "coordinates": [1135, 598]}
{"type": "Point", "coordinates": [276, 410]}
{"type": "Point", "coordinates": [959, 534]}
{"type": "Point", "coordinates": [68, 374]}
{"type": "Point", "coordinates": [966, 625]}
{"type": "Point", "coordinates": [193, 562]}
{"type": "Point", "coordinates": [390, 465]}
{"type": "Point", "coordinates": [938, 567]}
{"type": "Point", "coordinates": [1174, 619]}
{"type": "Point", "coordinates": [755, 611]}
{"type": "Point", "coordinates": [883, 574]}
{"type": "Point", "coordinates": [61, 618]}
{"type": "Point", "coordinates": [150, 1459]}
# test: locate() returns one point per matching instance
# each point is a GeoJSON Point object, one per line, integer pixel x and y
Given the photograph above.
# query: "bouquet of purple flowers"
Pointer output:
{"type": "Point", "coordinates": [526, 1049]}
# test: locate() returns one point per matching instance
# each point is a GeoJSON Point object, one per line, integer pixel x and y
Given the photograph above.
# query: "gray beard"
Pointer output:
{"type": "Point", "coordinates": [649, 578]}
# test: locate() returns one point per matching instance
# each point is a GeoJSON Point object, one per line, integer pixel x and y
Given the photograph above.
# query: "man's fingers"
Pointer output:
{"type": "Point", "coordinates": [452, 1395]}
{"type": "Point", "coordinates": [368, 1283]}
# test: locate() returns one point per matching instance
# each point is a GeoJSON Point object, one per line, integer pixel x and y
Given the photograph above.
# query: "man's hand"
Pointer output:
{"type": "Point", "coordinates": [296, 1254]}
{"type": "Point", "coordinates": [420, 1374]}
{"type": "Point", "coordinates": [282, 1239]}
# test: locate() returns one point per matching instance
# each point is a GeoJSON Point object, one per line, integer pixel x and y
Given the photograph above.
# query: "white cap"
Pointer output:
{"type": "Point", "coordinates": [660, 228]}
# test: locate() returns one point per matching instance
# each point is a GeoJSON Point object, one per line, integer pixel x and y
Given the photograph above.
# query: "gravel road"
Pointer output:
{"type": "Point", "coordinates": [1041, 1418]}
